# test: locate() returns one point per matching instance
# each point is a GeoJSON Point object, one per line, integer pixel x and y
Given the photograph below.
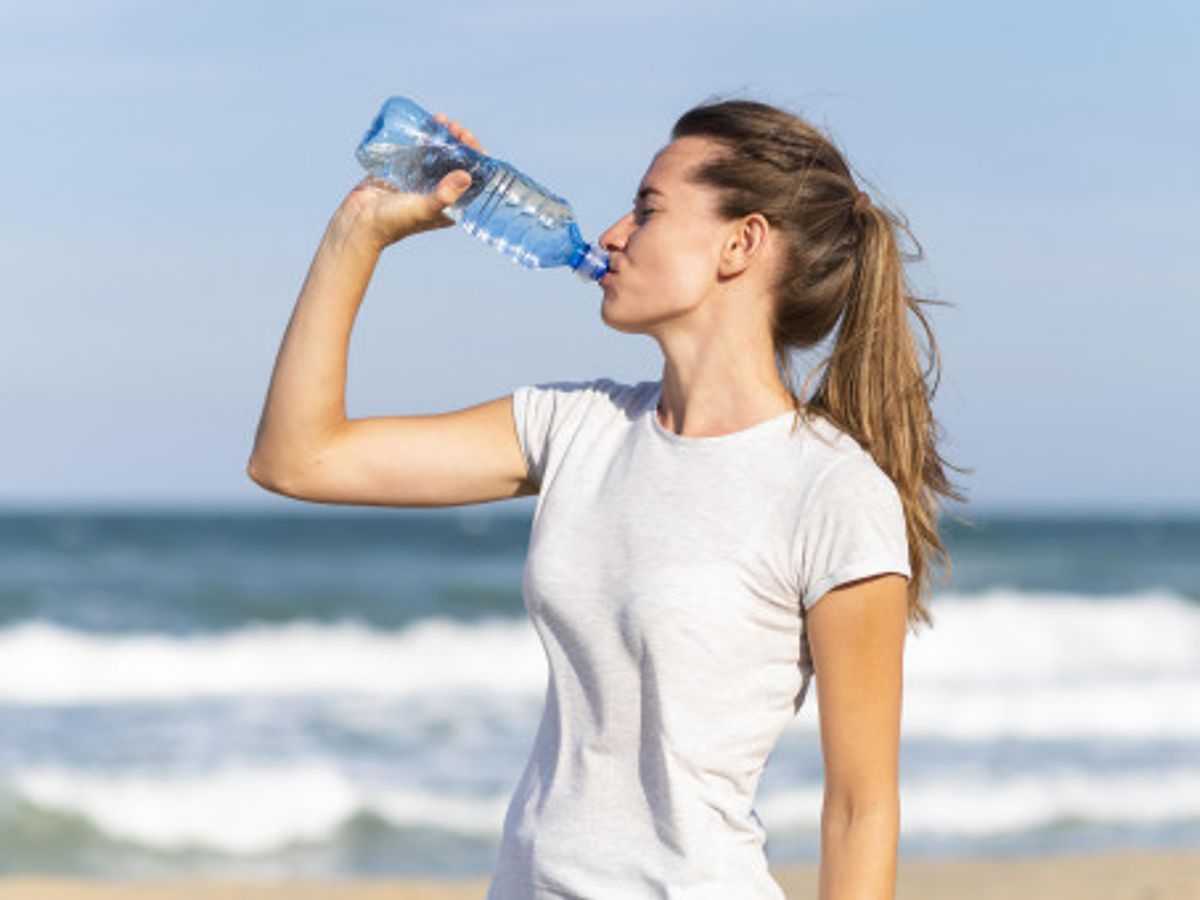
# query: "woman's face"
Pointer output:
{"type": "Point", "coordinates": [665, 253]}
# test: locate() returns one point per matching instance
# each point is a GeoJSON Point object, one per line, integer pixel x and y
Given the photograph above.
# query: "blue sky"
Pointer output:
{"type": "Point", "coordinates": [168, 168]}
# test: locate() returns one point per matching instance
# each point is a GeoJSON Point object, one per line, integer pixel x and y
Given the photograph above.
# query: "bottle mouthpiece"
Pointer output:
{"type": "Point", "coordinates": [593, 264]}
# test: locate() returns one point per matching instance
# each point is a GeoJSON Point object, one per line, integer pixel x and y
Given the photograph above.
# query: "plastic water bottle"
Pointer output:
{"type": "Point", "coordinates": [411, 150]}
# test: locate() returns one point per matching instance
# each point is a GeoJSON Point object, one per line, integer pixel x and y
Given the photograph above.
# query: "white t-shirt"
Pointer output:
{"type": "Point", "coordinates": [668, 579]}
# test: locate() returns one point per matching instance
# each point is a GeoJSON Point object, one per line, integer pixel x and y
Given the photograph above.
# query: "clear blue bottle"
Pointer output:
{"type": "Point", "coordinates": [411, 150]}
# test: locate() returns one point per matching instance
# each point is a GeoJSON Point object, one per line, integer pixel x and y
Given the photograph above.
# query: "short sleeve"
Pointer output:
{"type": "Point", "coordinates": [546, 415]}
{"type": "Point", "coordinates": [852, 527]}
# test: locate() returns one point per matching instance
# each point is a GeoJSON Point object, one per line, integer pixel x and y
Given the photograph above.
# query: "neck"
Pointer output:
{"type": "Point", "coordinates": [719, 379]}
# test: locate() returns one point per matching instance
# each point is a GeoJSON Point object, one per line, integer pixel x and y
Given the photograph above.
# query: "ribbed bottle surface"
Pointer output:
{"type": "Point", "coordinates": [503, 207]}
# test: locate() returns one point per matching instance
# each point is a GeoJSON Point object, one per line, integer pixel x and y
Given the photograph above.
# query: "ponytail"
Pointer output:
{"type": "Point", "coordinates": [843, 271]}
{"type": "Point", "coordinates": [873, 386]}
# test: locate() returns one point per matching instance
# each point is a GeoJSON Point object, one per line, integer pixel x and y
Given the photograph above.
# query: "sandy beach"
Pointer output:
{"type": "Point", "coordinates": [1123, 875]}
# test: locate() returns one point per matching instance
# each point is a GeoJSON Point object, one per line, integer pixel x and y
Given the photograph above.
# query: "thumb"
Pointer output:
{"type": "Point", "coordinates": [451, 187]}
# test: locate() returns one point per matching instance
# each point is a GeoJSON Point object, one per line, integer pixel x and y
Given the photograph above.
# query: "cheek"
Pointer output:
{"type": "Point", "coordinates": [684, 275]}
{"type": "Point", "coordinates": [668, 267]}
{"type": "Point", "coordinates": [667, 272]}
{"type": "Point", "coordinates": [645, 298]}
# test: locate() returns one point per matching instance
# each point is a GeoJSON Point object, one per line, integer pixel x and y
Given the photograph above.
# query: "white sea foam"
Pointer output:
{"type": "Point", "coordinates": [1006, 664]}
{"type": "Point", "coordinates": [45, 664]}
{"type": "Point", "coordinates": [1000, 664]}
{"type": "Point", "coordinates": [248, 810]}
{"type": "Point", "coordinates": [308, 802]}
{"type": "Point", "coordinates": [1021, 637]}
{"type": "Point", "coordinates": [1165, 708]}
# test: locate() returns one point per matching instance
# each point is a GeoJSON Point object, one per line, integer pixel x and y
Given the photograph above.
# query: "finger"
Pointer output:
{"type": "Point", "coordinates": [451, 187]}
{"type": "Point", "coordinates": [456, 129]}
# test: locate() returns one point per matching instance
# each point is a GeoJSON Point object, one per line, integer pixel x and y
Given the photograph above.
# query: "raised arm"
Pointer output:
{"type": "Point", "coordinates": [306, 447]}
{"type": "Point", "coordinates": [856, 635]}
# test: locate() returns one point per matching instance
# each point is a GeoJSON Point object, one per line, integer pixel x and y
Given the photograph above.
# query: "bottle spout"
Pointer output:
{"type": "Point", "coordinates": [592, 264]}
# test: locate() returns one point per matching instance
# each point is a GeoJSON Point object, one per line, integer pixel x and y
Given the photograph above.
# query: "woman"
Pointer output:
{"type": "Point", "coordinates": [703, 545]}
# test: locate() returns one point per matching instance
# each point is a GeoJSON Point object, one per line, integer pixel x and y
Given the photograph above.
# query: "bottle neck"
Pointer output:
{"type": "Point", "coordinates": [590, 263]}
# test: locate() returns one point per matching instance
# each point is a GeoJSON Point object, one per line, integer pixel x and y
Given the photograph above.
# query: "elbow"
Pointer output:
{"type": "Point", "coordinates": [295, 467]}
{"type": "Point", "coordinates": [257, 472]}
{"type": "Point", "coordinates": [270, 478]}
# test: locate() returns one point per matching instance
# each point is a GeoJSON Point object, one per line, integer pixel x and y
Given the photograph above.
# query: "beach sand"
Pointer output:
{"type": "Point", "coordinates": [1124, 875]}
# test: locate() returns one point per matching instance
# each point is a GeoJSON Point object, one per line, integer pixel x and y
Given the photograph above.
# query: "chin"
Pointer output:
{"type": "Point", "coordinates": [627, 316]}
{"type": "Point", "coordinates": [610, 314]}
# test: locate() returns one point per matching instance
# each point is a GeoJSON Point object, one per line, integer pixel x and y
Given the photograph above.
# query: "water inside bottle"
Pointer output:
{"type": "Point", "coordinates": [503, 207]}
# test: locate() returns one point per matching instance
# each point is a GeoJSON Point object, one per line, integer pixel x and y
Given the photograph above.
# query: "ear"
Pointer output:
{"type": "Point", "coordinates": [745, 243]}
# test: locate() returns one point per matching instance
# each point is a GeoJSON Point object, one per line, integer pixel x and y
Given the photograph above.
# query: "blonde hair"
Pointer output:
{"type": "Point", "coordinates": [843, 269]}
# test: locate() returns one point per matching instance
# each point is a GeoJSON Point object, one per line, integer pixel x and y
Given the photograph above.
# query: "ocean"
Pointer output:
{"type": "Point", "coordinates": [332, 692]}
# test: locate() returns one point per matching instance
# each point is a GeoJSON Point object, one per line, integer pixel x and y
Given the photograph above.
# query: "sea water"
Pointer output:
{"type": "Point", "coordinates": [355, 693]}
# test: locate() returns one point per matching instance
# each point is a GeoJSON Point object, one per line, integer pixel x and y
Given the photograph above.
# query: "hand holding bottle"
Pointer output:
{"type": "Point", "coordinates": [383, 214]}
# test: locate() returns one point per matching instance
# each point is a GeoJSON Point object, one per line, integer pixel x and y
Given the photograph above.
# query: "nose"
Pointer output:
{"type": "Point", "coordinates": [614, 239]}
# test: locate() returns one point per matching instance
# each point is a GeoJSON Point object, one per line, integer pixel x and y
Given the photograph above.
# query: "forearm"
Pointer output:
{"type": "Point", "coordinates": [858, 854]}
{"type": "Point", "coordinates": [306, 400]}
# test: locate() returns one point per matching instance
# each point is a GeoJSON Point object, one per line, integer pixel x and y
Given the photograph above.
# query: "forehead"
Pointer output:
{"type": "Point", "coordinates": [673, 164]}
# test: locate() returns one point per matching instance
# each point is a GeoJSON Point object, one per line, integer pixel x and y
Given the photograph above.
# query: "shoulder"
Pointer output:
{"type": "Point", "coordinates": [834, 465]}
{"type": "Point", "coordinates": [846, 495]}
{"type": "Point", "coordinates": [854, 479]}
{"type": "Point", "coordinates": [573, 399]}
{"type": "Point", "coordinates": [552, 416]}
{"type": "Point", "coordinates": [850, 523]}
